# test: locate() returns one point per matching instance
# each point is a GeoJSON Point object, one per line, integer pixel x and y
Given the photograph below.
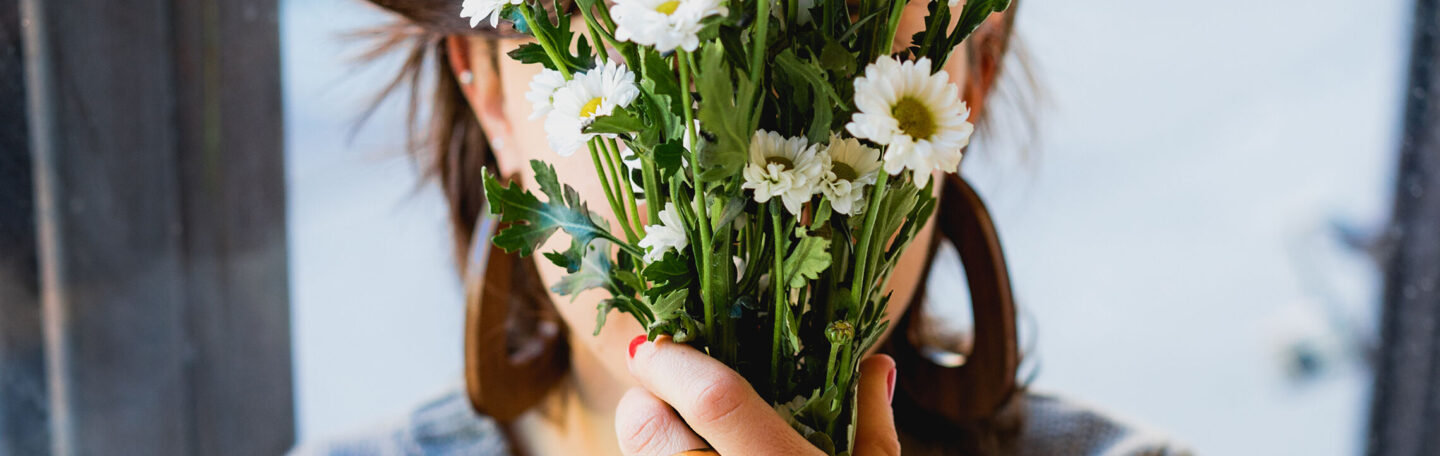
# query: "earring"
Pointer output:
{"type": "Point", "coordinates": [466, 77]}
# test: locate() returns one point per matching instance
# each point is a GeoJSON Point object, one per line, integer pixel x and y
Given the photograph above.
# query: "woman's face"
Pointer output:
{"type": "Point", "coordinates": [497, 94]}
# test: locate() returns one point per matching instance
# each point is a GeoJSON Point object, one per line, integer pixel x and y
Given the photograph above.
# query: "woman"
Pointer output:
{"type": "Point", "coordinates": [615, 393]}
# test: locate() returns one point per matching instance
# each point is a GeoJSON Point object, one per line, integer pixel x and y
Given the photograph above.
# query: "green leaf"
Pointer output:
{"type": "Point", "coordinates": [733, 208]}
{"type": "Point", "coordinates": [594, 270]}
{"type": "Point", "coordinates": [669, 157]}
{"type": "Point", "coordinates": [531, 221]}
{"type": "Point", "coordinates": [974, 14]}
{"type": "Point", "coordinates": [625, 304]}
{"type": "Point", "coordinates": [671, 273]}
{"type": "Point", "coordinates": [532, 53]}
{"type": "Point", "coordinates": [668, 306]}
{"type": "Point", "coordinates": [720, 115]}
{"type": "Point", "coordinates": [807, 260]}
{"type": "Point", "coordinates": [822, 214]}
{"type": "Point", "coordinates": [809, 72]}
{"type": "Point", "coordinates": [662, 97]}
{"type": "Point", "coordinates": [620, 121]}
{"type": "Point", "coordinates": [835, 57]}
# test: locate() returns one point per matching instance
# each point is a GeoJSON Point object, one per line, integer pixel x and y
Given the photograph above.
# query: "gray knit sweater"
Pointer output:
{"type": "Point", "coordinates": [448, 426]}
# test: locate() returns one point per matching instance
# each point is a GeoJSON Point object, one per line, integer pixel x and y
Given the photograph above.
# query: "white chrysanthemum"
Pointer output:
{"type": "Point", "coordinates": [669, 234]}
{"type": "Point", "coordinates": [664, 24]}
{"type": "Point", "coordinates": [595, 93]}
{"type": "Point", "coordinates": [542, 92]}
{"type": "Point", "coordinates": [850, 167]}
{"type": "Point", "coordinates": [917, 115]}
{"type": "Point", "coordinates": [478, 10]}
{"type": "Point", "coordinates": [788, 168]}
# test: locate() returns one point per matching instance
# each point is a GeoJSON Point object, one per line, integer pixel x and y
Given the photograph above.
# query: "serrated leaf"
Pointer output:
{"type": "Point", "coordinates": [620, 121]}
{"type": "Point", "coordinates": [593, 271]}
{"type": "Point", "coordinates": [809, 72]}
{"type": "Point", "coordinates": [807, 260]}
{"type": "Point", "coordinates": [532, 53]}
{"type": "Point", "coordinates": [720, 116]}
{"type": "Point", "coordinates": [621, 303]}
{"type": "Point", "coordinates": [835, 57]}
{"type": "Point", "coordinates": [531, 221]}
{"type": "Point", "coordinates": [668, 306]}
{"type": "Point", "coordinates": [973, 14]}
{"type": "Point", "coordinates": [671, 273]}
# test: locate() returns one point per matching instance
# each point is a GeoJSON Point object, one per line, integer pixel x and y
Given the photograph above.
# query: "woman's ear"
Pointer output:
{"type": "Point", "coordinates": [473, 61]}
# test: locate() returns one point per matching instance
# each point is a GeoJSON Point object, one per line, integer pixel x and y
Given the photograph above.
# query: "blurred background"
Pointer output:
{"type": "Point", "coordinates": [1203, 227]}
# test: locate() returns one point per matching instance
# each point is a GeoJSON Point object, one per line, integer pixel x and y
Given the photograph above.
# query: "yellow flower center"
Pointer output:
{"type": "Point", "coordinates": [914, 117]}
{"type": "Point", "coordinates": [590, 108]}
{"type": "Point", "coordinates": [668, 8]}
{"type": "Point", "coordinates": [843, 171]}
{"type": "Point", "coordinates": [784, 163]}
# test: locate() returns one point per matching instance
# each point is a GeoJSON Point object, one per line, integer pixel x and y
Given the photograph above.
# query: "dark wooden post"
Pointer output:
{"type": "Point", "coordinates": [23, 395]}
{"type": "Point", "coordinates": [154, 136]}
{"type": "Point", "coordinates": [1405, 412]}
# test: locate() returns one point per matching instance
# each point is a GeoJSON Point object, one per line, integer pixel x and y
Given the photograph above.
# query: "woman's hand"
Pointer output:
{"type": "Point", "coordinates": [681, 385]}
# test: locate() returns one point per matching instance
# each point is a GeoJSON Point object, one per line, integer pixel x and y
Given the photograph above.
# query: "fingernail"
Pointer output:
{"type": "Point", "coordinates": [640, 339]}
{"type": "Point", "coordinates": [889, 385]}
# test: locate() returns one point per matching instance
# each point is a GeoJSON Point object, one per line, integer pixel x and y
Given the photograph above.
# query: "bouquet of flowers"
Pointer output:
{"type": "Point", "coordinates": [784, 154]}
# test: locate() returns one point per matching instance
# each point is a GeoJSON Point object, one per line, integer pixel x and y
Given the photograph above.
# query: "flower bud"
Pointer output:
{"type": "Point", "coordinates": [840, 332]}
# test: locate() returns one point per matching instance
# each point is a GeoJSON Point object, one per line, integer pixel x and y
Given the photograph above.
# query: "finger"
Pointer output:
{"type": "Point", "coordinates": [875, 434]}
{"type": "Point", "coordinates": [716, 402]}
{"type": "Point", "coordinates": [646, 426]}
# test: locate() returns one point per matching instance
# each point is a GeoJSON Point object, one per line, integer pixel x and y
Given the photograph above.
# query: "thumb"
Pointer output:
{"type": "Point", "coordinates": [875, 433]}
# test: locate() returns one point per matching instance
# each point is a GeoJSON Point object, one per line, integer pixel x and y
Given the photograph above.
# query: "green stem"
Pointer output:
{"type": "Point", "coordinates": [626, 246]}
{"type": "Point", "coordinates": [614, 149]}
{"type": "Point", "coordinates": [858, 287]}
{"type": "Point", "coordinates": [777, 287]}
{"type": "Point", "coordinates": [830, 366]}
{"type": "Point", "coordinates": [703, 219]}
{"type": "Point", "coordinates": [545, 43]}
{"type": "Point", "coordinates": [897, 8]}
{"type": "Point", "coordinates": [615, 205]}
{"type": "Point", "coordinates": [653, 199]}
{"type": "Point", "coordinates": [762, 33]}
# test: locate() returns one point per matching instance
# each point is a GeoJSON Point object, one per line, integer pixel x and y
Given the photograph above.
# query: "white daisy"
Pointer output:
{"type": "Point", "coordinates": [478, 10]}
{"type": "Point", "coordinates": [542, 91]}
{"type": "Point", "coordinates": [595, 93]}
{"type": "Point", "coordinates": [918, 115]}
{"type": "Point", "coordinates": [849, 167]}
{"type": "Point", "coordinates": [669, 234]}
{"type": "Point", "coordinates": [788, 168]}
{"type": "Point", "coordinates": [664, 24]}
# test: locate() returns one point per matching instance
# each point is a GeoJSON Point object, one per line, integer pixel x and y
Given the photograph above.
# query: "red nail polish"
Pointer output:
{"type": "Point", "coordinates": [889, 385]}
{"type": "Point", "coordinates": [640, 339]}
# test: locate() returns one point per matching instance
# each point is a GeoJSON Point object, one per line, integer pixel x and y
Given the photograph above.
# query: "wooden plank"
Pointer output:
{"type": "Point", "coordinates": [159, 156]}
{"type": "Point", "coordinates": [234, 214]}
{"type": "Point", "coordinates": [1405, 410]}
{"type": "Point", "coordinates": [24, 428]}
{"type": "Point", "coordinates": [108, 188]}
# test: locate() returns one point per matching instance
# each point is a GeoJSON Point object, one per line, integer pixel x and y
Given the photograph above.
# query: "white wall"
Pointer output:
{"type": "Point", "coordinates": [376, 307]}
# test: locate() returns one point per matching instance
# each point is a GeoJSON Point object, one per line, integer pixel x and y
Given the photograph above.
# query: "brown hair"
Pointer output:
{"type": "Point", "coordinates": [454, 150]}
